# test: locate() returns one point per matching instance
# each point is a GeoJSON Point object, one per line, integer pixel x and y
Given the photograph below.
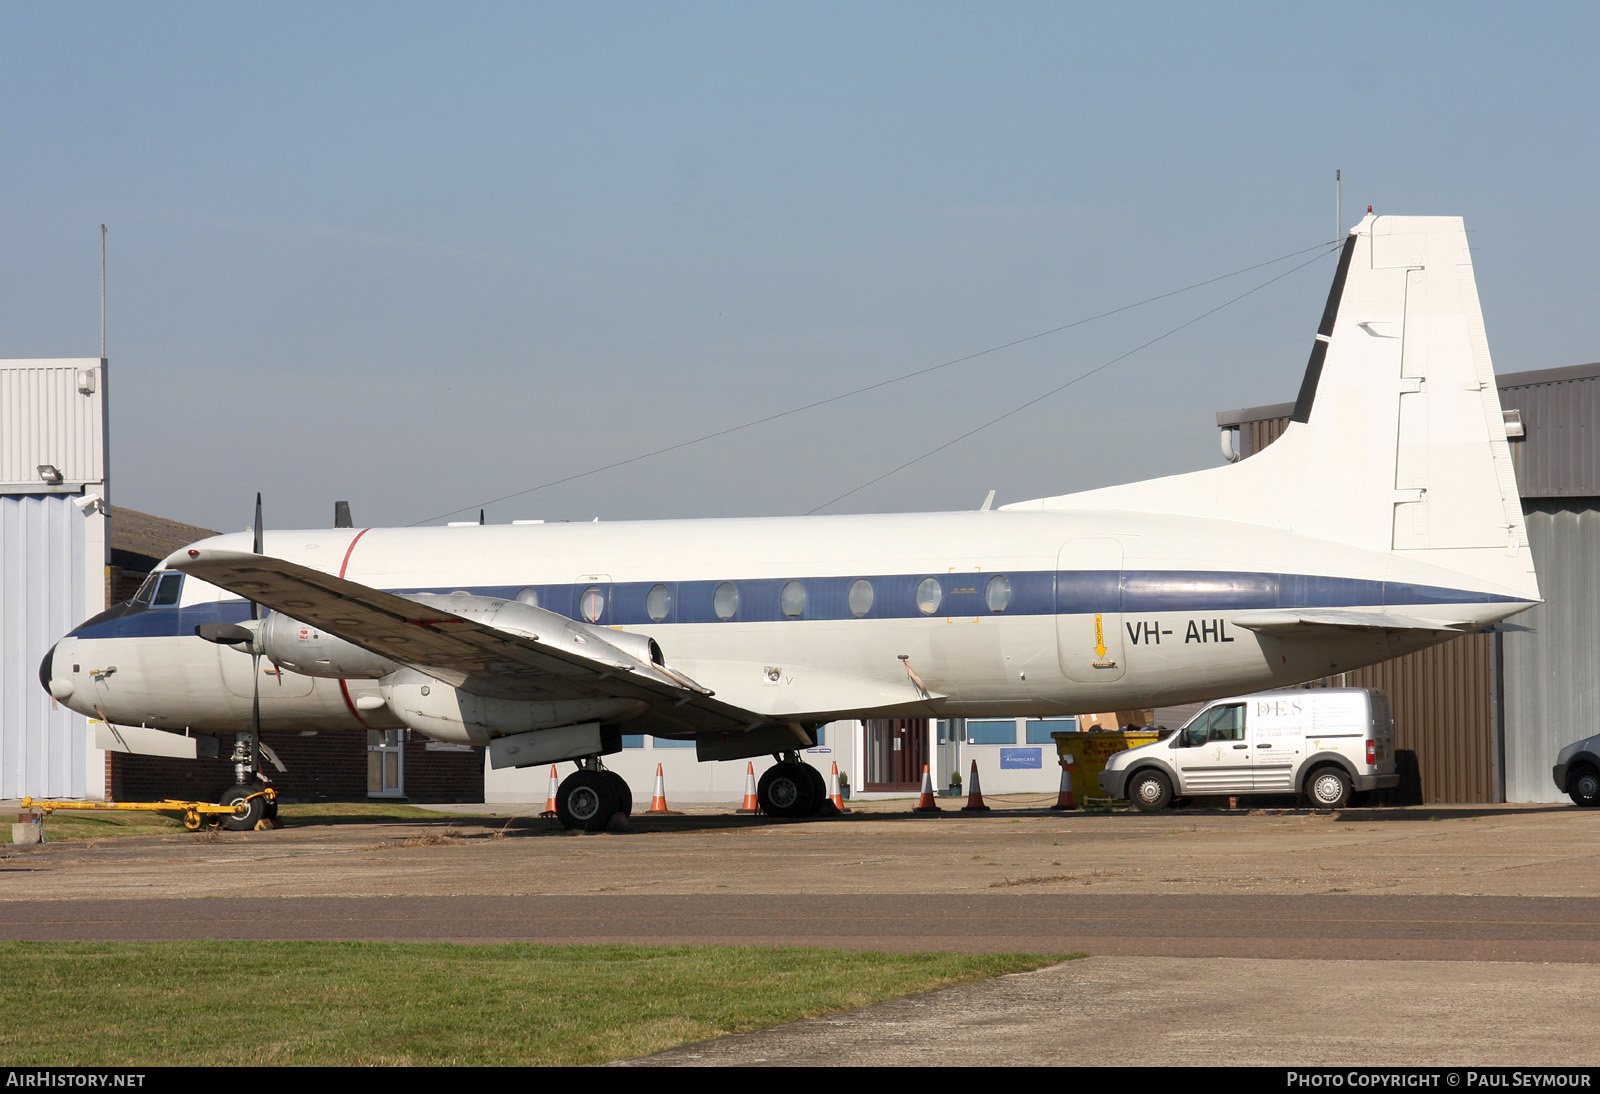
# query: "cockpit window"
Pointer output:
{"type": "Point", "coordinates": [160, 590]}
{"type": "Point", "coordinates": [147, 590]}
{"type": "Point", "coordinates": [168, 591]}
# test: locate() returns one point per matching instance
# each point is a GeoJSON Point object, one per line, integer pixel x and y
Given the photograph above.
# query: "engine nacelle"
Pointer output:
{"type": "Point", "coordinates": [301, 647]}
{"type": "Point", "coordinates": [445, 713]}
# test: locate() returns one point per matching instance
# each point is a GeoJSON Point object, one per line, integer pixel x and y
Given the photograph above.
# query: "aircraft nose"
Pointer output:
{"type": "Point", "coordinates": [58, 687]}
{"type": "Point", "coordinates": [45, 668]}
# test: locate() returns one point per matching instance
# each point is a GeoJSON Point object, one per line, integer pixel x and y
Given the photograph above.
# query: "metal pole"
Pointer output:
{"type": "Point", "coordinates": [102, 292]}
{"type": "Point", "coordinates": [1338, 214]}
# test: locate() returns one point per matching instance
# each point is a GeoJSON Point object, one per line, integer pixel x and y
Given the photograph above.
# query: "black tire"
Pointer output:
{"type": "Point", "coordinates": [1328, 788]}
{"type": "Point", "coordinates": [786, 790]}
{"type": "Point", "coordinates": [587, 800]}
{"type": "Point", "coordinates": [1150, 791]}
{"type": "Point", "coordinates": [1583, 787]}
{"type": "Point", "coordinates": [247, 811]}
{"type": "Point", "coordinates": [624, 793]}
{"type": "Point", "coordinates": [819, 786]}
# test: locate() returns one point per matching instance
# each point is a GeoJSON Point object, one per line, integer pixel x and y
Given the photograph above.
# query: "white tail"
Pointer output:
{"type": "Point", "coordinates": [1397, 441]}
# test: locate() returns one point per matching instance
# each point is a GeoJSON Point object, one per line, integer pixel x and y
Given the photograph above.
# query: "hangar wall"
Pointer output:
{"type": "Point", "coordinates": [53, 493]}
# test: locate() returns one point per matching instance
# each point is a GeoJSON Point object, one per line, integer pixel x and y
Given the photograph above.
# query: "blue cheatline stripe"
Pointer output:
{"type": "Point", "coordinates": [1044, 592]}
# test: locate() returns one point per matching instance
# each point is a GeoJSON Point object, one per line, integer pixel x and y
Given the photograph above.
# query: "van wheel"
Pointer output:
{"type": "Point", "coordinates": [1584, 787]}
{"type": "Point", "coordinates": [1328, 788]}
{"type": "Point", "coordinates": [1150, 791]}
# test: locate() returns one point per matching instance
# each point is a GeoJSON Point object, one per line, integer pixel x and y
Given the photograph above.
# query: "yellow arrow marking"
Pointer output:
{"type": "Point", "coordinates": [1099, 639]}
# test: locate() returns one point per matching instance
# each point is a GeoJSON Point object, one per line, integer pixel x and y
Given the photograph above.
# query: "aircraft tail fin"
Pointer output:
{"type": "Point", "coordinates": [1397, 441]}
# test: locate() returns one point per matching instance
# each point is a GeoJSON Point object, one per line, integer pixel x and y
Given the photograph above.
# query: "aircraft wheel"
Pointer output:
{"type": "Point", "coordinates": [1328, 788]}
{"type": "Point", "coordinates": [786, 790]}
{"type": "Point", "coordinates": [1150, 791]}
{"type": "Point", "coordinates": [624, 793]}
{"type": "Point", "coordinates": [247, 811]}
{"type": "Point", "coordinates": [1584, 787]}
{"type": "Point", "coordinates": [587, 800]}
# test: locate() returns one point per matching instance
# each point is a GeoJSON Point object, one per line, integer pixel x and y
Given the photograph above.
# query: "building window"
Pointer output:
{"type": "Point", "coordinates": [668, 742]}
{"type": "Point", "coordinates": [995, 732]}
{"type": "Point", "coordinates": [1039, 729]}
{"type": "Point", "coordinates": [633, 740]}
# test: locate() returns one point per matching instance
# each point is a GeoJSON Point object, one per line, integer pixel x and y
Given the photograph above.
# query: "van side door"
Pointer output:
{"type": "Point", "coordinates": [1213, 754]}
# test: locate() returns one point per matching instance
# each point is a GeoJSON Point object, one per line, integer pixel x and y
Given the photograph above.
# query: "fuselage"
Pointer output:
{"type": "Point", "coordinates": [986, 613]}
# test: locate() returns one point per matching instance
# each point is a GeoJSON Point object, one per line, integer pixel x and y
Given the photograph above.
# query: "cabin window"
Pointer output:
{"type": "Point", "coordinates": [997, 594]}
{"type": "Point", "coordinates": [592, 604]}
{"type": "Point", "coordinates": [929, 594]}
{"type": "Point", "coordinates": [529, 596]}
{"type": "Point", "coordinates": [658, 602]}
{"type": "Point", "coordinates": [861, 597]}
{"type": "Point", "coordinates": [792, 600]}
{"type": "Point", "coordinates": [725, 601]}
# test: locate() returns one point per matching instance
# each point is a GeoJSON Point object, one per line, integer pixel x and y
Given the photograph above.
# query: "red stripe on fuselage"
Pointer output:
{"type": "Point", "coordinates": [348, 551]}
{"type": "Point", "coordinates": [344, 688]}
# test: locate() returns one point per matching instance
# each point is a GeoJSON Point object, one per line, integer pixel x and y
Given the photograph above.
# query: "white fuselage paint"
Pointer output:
{"type": "Point", "coordinates": [974, 662]}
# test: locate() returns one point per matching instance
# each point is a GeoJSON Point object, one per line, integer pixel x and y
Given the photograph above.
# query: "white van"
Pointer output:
{"type": "Point", "coordinates": [1322, 743]}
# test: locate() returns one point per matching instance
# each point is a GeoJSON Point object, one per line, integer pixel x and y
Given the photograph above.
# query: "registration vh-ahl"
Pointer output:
{"type": "Point", "coordinates": [1385, 519]}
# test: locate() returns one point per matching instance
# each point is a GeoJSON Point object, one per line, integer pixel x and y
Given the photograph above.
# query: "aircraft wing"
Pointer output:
{"type": "Point", "coordinates": [548, 665]}
{"type": "Point", "coordinates": [1313, 622]}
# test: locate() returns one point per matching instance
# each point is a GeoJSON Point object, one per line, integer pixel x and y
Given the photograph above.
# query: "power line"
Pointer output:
{"type": "Point", "coordinates": [1082, 376]}
{"type": "Point", "coordinates": [713, 435]}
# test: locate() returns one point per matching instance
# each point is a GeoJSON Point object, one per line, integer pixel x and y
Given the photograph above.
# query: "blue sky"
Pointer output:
{"type": "Point", "coordinates": [421, 256]}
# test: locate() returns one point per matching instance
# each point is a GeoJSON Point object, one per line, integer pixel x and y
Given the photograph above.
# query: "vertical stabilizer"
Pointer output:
{"type": "Point", "coordinates": [1397, 442]}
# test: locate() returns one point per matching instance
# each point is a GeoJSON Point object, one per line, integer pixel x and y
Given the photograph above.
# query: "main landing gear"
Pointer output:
{"type": "Point", "coordinates": [589, 797]}
{"type": "Point", "coordinates": [791, 788]}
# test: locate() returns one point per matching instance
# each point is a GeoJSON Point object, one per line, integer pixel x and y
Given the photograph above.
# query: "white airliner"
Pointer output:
{"type": "Point", "coordinates": [1385, 519]}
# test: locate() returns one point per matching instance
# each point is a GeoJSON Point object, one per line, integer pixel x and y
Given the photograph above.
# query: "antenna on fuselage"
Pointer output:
{"type": "Point", "coordinates": [341, 515]}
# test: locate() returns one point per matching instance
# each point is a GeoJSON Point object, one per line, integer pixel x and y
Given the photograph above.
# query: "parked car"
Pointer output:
{"type": "Point", "coordinates": [1577, 771]}
{"type": "Point", "coordinates": [1323, 744]}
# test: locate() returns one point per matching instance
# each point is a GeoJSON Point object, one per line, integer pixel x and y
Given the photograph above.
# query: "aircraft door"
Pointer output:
{"type": "Point", "coordinates": [1089, 639]}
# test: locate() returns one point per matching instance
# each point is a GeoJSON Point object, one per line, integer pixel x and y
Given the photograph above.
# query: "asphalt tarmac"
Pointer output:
{"type": "Point", "coordinates": [1419, 936]}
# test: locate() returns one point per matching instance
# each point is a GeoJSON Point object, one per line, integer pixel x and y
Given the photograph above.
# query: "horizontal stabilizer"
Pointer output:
{"type": "Point", "coordinates": [1313, 622]}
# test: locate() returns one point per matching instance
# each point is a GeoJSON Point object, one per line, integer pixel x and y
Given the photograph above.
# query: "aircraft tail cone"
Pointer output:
{"type": "Point", "coordinates": [926, 804]}
{"type": "Point", "coordinates": [833, 788]}
{"type": "Point", "coordinates": [975, 795]}
{"type": "Point", "coordinates": [1065, 800]}
{"type": "Point", "coordinates": [750, 804]}
{"type": "Point", "coordinates": [550, 801]}
{"type": "Point", "coordinates": [658, 797]}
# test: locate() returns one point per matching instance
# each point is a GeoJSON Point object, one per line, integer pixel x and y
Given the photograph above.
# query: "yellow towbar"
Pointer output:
{"type": "Point", "coordinates": [195, 814]}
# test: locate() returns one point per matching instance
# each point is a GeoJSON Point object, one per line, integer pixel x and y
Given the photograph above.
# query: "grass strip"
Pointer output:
{"type": "Point", "coordinates": [92, 1004]}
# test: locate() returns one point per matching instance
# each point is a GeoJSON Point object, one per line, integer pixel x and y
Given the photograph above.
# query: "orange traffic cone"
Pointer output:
{"type": "Point", "coordinates": [750, 804]}
{"type": "Point", "coordinates": [926, 804]}
{"type": "Point", "coordinates": [975, 795]}
{"type": "Point", "coordinates": [1065, 800]}
{"type": "Point", "coordinates": [658, 798]}
{"type": "Point", "coordinates": [550, 803]}
{"type": "Point", "coordinates": [833, 788]}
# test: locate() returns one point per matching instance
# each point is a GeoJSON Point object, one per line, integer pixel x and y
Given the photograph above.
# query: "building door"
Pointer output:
{"type": "Point", "coordinates": [896, 750]}
{"type": "Point", "coordinates": [385, 767]}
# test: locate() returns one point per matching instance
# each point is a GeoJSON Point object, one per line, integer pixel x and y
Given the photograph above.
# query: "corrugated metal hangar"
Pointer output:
{"type": "Point", "coordinates": [1485, 714]}
{"type": "Point", "coordinates": [53, 501]}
